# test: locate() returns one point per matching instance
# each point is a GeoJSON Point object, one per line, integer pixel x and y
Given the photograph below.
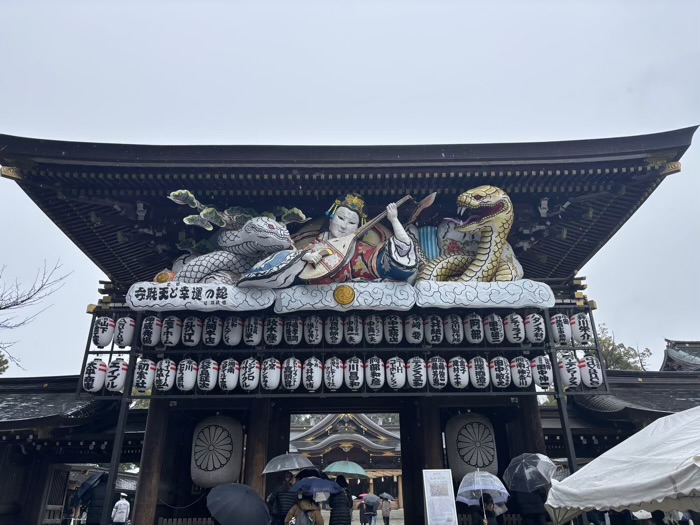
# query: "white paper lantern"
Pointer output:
{"type": "Point", "coordinates": [150, 331]}
{"type": "Point", "coordinates": [374, 329]}
{"type": "Point", "coordinates": [354, 375]}
{"type": "Point", "coordinates": [94, 375]}
{"type": "Point", "coordinates": [581, 328]}
{"type": "Point", "coordinates": [186, 376]}
{"type": "Point", "coordinates": [233, 331]}
{"type": "Point", "coordinates": [103, 331]}
{"type": "Point", "coordinates": [124, 331]}
{"type": "Point", "coordinates": [229, 374]}
{"type": "Point", "coordinates": [473, 328]}
{"type": "Point", "coordinates": [569, 372]}
{"type": "Point", "coordinates": [542, 371]}
{"type": "Point", "coordinates": [560, 329]}
{"type": "Point", "coordinates": [458, 372]}
{"type": "Point", "coordinates": [393, 329]}
{"type": "Point", "coordinates": [521, 372]}
{"type": "Point", "coordinates": [535, 329]}
{"type": "Point", "coordinates": [250, 373]}
{"type": "Point", "coordinates": [432, 328]}
{"type": "Point", "coordinates": [191, 331]}
{"type": "Point", "coordinates": [333, 373]}
{"type": "Point", "coordinates": [213, 328]}
{"type": "Point", "coordinates": [217, 452]}
{"type": "Point", "coordinates": [493, 329]}
{"type": "Point", "coordinates": [116, 375]}
{"type": "Point", "coordinates": [313, 330]}
{"type": "Point", "coordinates": [500, 372]}
{"type": "Point", "coordinates": [291, 373]}
{"type": "Point", "coordinates": [479, 372]}
{"type": "Point", "coordinates": [416, 372]}
{"type": "Point", "coordinates": [274, 328]}
{"type": "Point", "coordinates": [395, 373]}
{"type": "Point", "coordinates": [515, 328]}
{"type": "Point", "coordinates": [453, 328]}
{"type": "Point", "coordinates": [165, 375]}
{"type": "Point", "coordinates": [413, 329]}
{"type": "Point", "coordinates": [353, 329]}
{"type": "Point", "coordinates": [333, 330]}
{"type": "Point", "coordinates": [437, 371]}
{"type": "Point", "coordinates": [312, 374]}
{"type": "Point", "coordinates": [207, 375]}
{"type": "Point", "coordinates": [293, 330]}
{"type": "Point", "coordinates": [374, 372]}
{"type": "Point", "coordinates": [171, 332]}
{"type": "Point", "coordinates": [591, 372]}
{"type": "Point", "coordinates": [144, 374]}
{"type": "Point", "coordinates": [252, 332]}
{"type": "Point", "coordinates": [270, 373]}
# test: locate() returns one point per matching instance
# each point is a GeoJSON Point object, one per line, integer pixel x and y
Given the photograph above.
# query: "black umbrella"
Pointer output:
{"type": "Point", "coordinates": [385, 495]}
{"type": "Point", "coordinates": [233, 503]}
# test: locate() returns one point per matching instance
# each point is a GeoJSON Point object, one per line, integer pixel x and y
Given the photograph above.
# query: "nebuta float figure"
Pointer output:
{"type": "Point", "coordinates": [344, 248]}
{"type": "Point", "coordinates": [352, 249]}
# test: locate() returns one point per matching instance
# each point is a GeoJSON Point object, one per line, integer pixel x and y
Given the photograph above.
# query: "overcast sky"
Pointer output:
{"type": "Point", "coordinates": [360, 72]}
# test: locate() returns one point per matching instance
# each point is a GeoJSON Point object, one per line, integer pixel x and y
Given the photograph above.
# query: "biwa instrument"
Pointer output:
{"type": "Point", "coordinates": [336, 253]}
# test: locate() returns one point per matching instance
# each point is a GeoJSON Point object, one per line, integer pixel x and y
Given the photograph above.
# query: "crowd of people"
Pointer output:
{"type": "Point", "coordinates": [290, 507]}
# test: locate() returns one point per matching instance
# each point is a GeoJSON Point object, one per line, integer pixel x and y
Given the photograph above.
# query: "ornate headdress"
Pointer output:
{"type": "Point", "coordinates": [353, 202]}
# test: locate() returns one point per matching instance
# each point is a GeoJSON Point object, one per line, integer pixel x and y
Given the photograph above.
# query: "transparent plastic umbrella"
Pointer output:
{"type": "Point", "coordinates": [476, 484]}
{"type": "Point", "coordinates": [529, 472]}
{"type": "Point", "coordinates": [287, 462]}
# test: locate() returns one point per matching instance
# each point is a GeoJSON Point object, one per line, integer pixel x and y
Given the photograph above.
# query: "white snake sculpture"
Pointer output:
{"type": "Point", "coordinates": [240, 250]}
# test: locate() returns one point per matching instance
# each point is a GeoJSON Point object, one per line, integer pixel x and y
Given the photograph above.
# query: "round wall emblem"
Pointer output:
{"type": "Point", "coordinates": [344, 295]}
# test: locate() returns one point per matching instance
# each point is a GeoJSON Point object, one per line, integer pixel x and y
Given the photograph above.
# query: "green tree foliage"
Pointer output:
{"type": "Point", "coordinates": [618, 356]}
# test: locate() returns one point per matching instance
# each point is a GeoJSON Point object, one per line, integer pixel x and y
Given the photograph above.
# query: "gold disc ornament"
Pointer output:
{"type": "Point", "coordinates": [344, 295]}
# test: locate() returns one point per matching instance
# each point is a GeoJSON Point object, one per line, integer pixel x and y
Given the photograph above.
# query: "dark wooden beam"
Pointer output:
{"type": "Point", "coordinates": [257, 437]}
{"type": "Point", "coordinates": [151, 463]}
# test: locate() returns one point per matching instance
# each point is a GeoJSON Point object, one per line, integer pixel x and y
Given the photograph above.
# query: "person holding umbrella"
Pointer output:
{"type": "Point", "coordinates": [362, 507]}
{"type": "Point", "coordinates": [341, 504]}
{"type": "Point", "coordinates": [282, 499]}
{"type": "Point", "coordinates": [304, 512]}
{"type": "Point", "coordinates": [372, 503]}
{"type": "Point", "coordinates": [485, 513]}
{"type": "Point", "coordinates": [385, 507]}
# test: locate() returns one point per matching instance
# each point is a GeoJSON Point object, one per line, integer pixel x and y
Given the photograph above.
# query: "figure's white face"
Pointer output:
{"type": "Point", "coordinates": [343, 223]}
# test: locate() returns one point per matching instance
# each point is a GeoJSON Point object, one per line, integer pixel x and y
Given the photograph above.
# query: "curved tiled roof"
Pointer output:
{"type": "Point", "coordinates": [337, 439]}
{"type": "Point", "coordinates": [681, 355]}
{"type": "Point", "coordinates": [110, 199]}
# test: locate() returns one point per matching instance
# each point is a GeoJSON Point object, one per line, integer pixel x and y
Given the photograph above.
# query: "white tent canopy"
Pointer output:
{"type": "Point", "coordinates": [658, 468]}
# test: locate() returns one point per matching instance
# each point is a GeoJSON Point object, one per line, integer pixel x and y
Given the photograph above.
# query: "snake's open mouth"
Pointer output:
{"type": "Point", "coordinates": [476, 215]}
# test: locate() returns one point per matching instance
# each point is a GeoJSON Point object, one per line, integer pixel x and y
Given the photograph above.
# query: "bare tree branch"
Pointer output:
{"type": "Point", "coordinates": [14, 298]}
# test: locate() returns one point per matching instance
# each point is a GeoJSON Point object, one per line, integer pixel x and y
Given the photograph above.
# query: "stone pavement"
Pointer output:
{"type": "Point", "coordinates": [396, 517]}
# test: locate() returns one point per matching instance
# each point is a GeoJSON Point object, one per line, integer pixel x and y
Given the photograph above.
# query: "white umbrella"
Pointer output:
{"type": "Point", "coordinates": [475, 484]}
{"type": "Point", "coordinates": [287, 462]}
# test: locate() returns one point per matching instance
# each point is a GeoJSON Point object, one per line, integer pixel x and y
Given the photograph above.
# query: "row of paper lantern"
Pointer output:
{"type": "Point", "coordinates": [293, 330]}
{"type": "Point", "coordinates": [290, 374]}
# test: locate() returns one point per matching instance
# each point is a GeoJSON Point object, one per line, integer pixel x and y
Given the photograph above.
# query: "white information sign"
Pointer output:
{"type": "Point", "coordinates": [439, 496]}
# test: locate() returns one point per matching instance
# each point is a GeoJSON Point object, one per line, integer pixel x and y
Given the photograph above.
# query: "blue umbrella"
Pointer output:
{"type": "Point", "coordinates": [316, 485]}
